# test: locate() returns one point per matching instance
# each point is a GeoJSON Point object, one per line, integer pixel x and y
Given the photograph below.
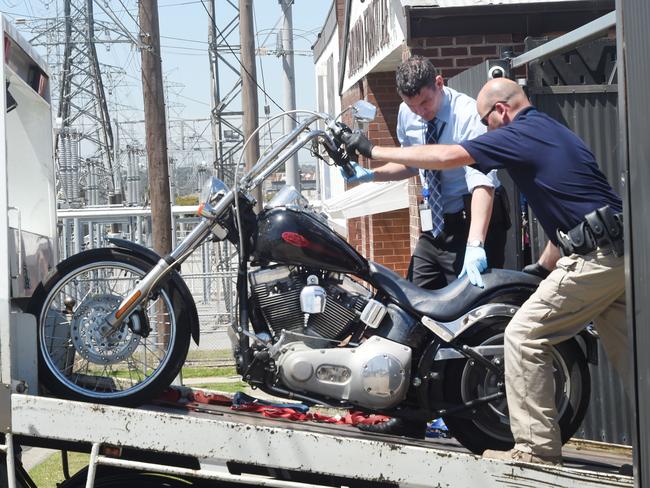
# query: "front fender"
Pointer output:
{"type": "Point", "coordinates": [180, 292]}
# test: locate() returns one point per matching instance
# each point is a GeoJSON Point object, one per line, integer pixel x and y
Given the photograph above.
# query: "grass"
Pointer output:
{"type": "Point", "coordinates": [206, 372]}
{"type": "Point", "coordinates": [223, 387]}
{"type": "Point", "coordinates": [201, 355]}
{"type": "Point", "coordinates": [188, 372]}
{"type": "Point", "coordinates": [49, 473]}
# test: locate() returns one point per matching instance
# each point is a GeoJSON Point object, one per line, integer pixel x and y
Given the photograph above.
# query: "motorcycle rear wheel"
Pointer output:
{"type": "Point", "coordinates": [80, 357]}
{"type": "Point", "coordinates": [489, 424]}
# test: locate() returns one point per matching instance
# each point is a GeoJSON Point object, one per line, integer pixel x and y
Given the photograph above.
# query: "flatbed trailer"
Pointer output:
{"type": "Point", "coordinates": [216, 443]}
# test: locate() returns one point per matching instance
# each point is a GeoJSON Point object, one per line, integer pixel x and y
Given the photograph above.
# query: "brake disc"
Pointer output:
{"type": "Point", "coordinates": [93, 337]}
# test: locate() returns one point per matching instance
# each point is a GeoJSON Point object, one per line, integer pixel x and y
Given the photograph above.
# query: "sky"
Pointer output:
{"type": "Point", "coordinates": [190, 69]}
{"type": "Point", "coordinates": [184, 34]}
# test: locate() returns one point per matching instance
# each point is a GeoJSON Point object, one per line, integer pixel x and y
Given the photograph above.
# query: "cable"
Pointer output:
{"type": "Point", "coordinates": [214, 24]}
{"type": "Point", "coordinates": [184, 40]}
{"type": "Point", "coordinates": [180, 4]}
{"type": "Point", "coordinates": [137, 24]}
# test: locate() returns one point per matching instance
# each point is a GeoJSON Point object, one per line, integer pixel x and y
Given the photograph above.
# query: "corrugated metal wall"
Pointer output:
{"type": "Point", "coordinates": [633, 18]}
{"type": "Point", "coordinates": [592, 112]}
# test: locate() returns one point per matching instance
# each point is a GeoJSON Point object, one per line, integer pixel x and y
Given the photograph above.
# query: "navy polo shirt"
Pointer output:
{"type": "Point", "coordinates": [552, 167]}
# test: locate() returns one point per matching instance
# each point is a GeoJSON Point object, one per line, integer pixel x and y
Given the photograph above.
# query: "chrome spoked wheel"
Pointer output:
{"type": "Point", "coordinates": [82, 356]}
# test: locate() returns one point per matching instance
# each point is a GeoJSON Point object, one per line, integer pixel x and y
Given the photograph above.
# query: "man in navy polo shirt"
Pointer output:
{"type": "Point", "coordinates": [560, 178]}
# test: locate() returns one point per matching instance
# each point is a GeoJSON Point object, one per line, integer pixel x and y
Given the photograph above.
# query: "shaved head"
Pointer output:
{"type": "Point", "coordinates": [501, 90]}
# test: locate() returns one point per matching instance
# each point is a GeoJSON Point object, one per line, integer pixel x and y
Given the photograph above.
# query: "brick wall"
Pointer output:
{"type": "Point", "coordinates": [453, 54]}
{"type": "Point", "coordinates": [384, 238]}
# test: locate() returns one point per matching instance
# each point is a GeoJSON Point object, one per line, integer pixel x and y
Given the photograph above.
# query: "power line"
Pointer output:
{"type": "Point", "coordinates": [137, 24]}
{"type": "Point", "coordinates": [237, 57]}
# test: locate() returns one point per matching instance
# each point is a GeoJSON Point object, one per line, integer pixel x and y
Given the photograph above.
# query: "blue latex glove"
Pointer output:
{"type": "Point", "coordinates": [475, 263]}
{"type": "Point", "coordinates": [361, 174]}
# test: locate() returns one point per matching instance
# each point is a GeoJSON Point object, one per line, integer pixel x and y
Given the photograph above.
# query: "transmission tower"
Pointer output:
{"type": "Point", "coordinates": [223, 53]}
{"type": "Point", "coordinates": [71, 40]}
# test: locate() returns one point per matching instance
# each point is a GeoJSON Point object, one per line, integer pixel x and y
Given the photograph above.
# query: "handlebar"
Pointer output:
{"type": "Point", "coordinates": [341, 158]}
{"type": "Point", "coordinates": [331, 139]}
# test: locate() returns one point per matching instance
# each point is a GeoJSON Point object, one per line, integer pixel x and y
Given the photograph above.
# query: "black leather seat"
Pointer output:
{"type": "Point", "coordinates": [448, 303]}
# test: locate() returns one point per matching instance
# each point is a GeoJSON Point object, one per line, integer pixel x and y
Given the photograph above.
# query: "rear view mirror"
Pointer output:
{"type": "Point", "coordinates": [364, 111]}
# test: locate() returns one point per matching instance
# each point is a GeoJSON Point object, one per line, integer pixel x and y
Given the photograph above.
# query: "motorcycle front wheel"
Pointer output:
{"type": "Point", "coordinates": [81, 357]}
{"type": "Point", "coordinates": [487, 426]}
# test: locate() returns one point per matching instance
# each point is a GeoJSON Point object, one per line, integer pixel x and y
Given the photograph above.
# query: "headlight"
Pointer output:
{"type": "Point", "coordinates": [213, 191]}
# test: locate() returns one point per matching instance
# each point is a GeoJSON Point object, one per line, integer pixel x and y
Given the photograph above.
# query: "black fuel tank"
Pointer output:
{"type": "Point", "coordinates": [294, 237]}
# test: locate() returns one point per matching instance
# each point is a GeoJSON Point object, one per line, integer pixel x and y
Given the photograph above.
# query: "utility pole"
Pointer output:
{"type": "Point", "coordinates": [289, 81]}
{"type": "Point", "coordinates": [249, 87]}
{"type": "Point", "coordinates": [155, 127]}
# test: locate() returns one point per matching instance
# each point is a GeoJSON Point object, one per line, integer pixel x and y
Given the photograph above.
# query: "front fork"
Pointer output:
{"type": "Point", "coordinates": [149, 282]}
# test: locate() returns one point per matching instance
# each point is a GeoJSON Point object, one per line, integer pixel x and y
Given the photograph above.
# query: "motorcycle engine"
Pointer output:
{"type": "Point", "coordinates": [374, 374]}
{"type": "Point", "coordinates": [275, 294]}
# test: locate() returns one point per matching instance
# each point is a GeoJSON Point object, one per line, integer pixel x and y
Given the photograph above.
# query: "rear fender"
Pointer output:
{"type": "Point", "coordinates": [181, 294]}
{"type": "Point", "coordinates": [473, 322]}
{"type": "Point", "coordinates": [434, 360]}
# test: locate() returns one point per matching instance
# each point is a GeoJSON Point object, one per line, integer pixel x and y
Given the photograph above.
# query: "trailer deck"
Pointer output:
{"type": "Point", "coordinates": [248, 448]}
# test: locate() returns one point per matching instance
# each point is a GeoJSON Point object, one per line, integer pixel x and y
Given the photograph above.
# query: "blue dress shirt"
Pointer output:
{"type": "Point", "coordinates": [459, 113]}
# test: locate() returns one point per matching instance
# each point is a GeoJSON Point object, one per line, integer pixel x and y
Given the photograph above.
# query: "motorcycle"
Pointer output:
{"type": "Point", "coordinates": [317, 322]}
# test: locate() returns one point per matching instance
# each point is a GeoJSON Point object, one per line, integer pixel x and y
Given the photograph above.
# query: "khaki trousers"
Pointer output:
{"type": "Point", "coordinates": [580, 289]}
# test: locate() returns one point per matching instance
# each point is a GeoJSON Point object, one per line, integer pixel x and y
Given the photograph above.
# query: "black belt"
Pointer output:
{"type": "Point", "coordinates": [454, 219]}
{"type": "Point", "coordinates": [602, 228]}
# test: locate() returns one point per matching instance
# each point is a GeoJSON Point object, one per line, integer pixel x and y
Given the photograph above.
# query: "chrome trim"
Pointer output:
{"type": "Point", "coordinates": [448, 353]}
{"type": "Point", "coordinates": [373, 313]}
{"type": "Point", "coordinates": [438, 329]}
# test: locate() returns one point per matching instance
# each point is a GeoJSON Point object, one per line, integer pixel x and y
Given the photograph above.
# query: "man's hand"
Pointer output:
{"type": "Point", "coordinates": [357, 142]}
{"type": "Point", "coordinates": [361, 174]}
{"type": "Point", "coordinates": [537, 270]}
{"type": "Point", "coordinates": [475, 263]}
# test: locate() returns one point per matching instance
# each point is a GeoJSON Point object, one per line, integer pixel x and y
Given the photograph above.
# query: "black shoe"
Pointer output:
{"type": "Point", "coordinates": [406, 428]}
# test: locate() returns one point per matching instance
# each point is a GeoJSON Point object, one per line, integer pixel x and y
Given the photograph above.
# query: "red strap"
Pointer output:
{"type": "Point", "coordinates": [173, 395]}
{"type": "Point", "coordinates": [351, 418]}
{"type": "Point", "coordinates": [207, 398]}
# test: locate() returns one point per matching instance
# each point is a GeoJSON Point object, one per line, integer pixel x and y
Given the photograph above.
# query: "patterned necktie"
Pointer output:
{"type": "Point", "coordinates": [432, 176]}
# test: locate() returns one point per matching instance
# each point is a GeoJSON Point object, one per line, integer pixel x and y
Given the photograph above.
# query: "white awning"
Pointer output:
{"type": "Point", "coordinates": [368, 199]}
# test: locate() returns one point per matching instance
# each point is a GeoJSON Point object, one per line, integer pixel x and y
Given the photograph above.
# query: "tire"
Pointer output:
{"type": "Point", "coordinates": [110, 477]}
{"type": "Point", "coordinates": [489, 424]}
{"type": "Point", "coordinates": [77, 360]}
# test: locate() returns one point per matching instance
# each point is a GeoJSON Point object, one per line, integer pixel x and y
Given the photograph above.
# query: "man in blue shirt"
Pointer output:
{"type": "Point", "coordinates": [580, 213]}
{"type": "Point", "coordinates": [432, 113]}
